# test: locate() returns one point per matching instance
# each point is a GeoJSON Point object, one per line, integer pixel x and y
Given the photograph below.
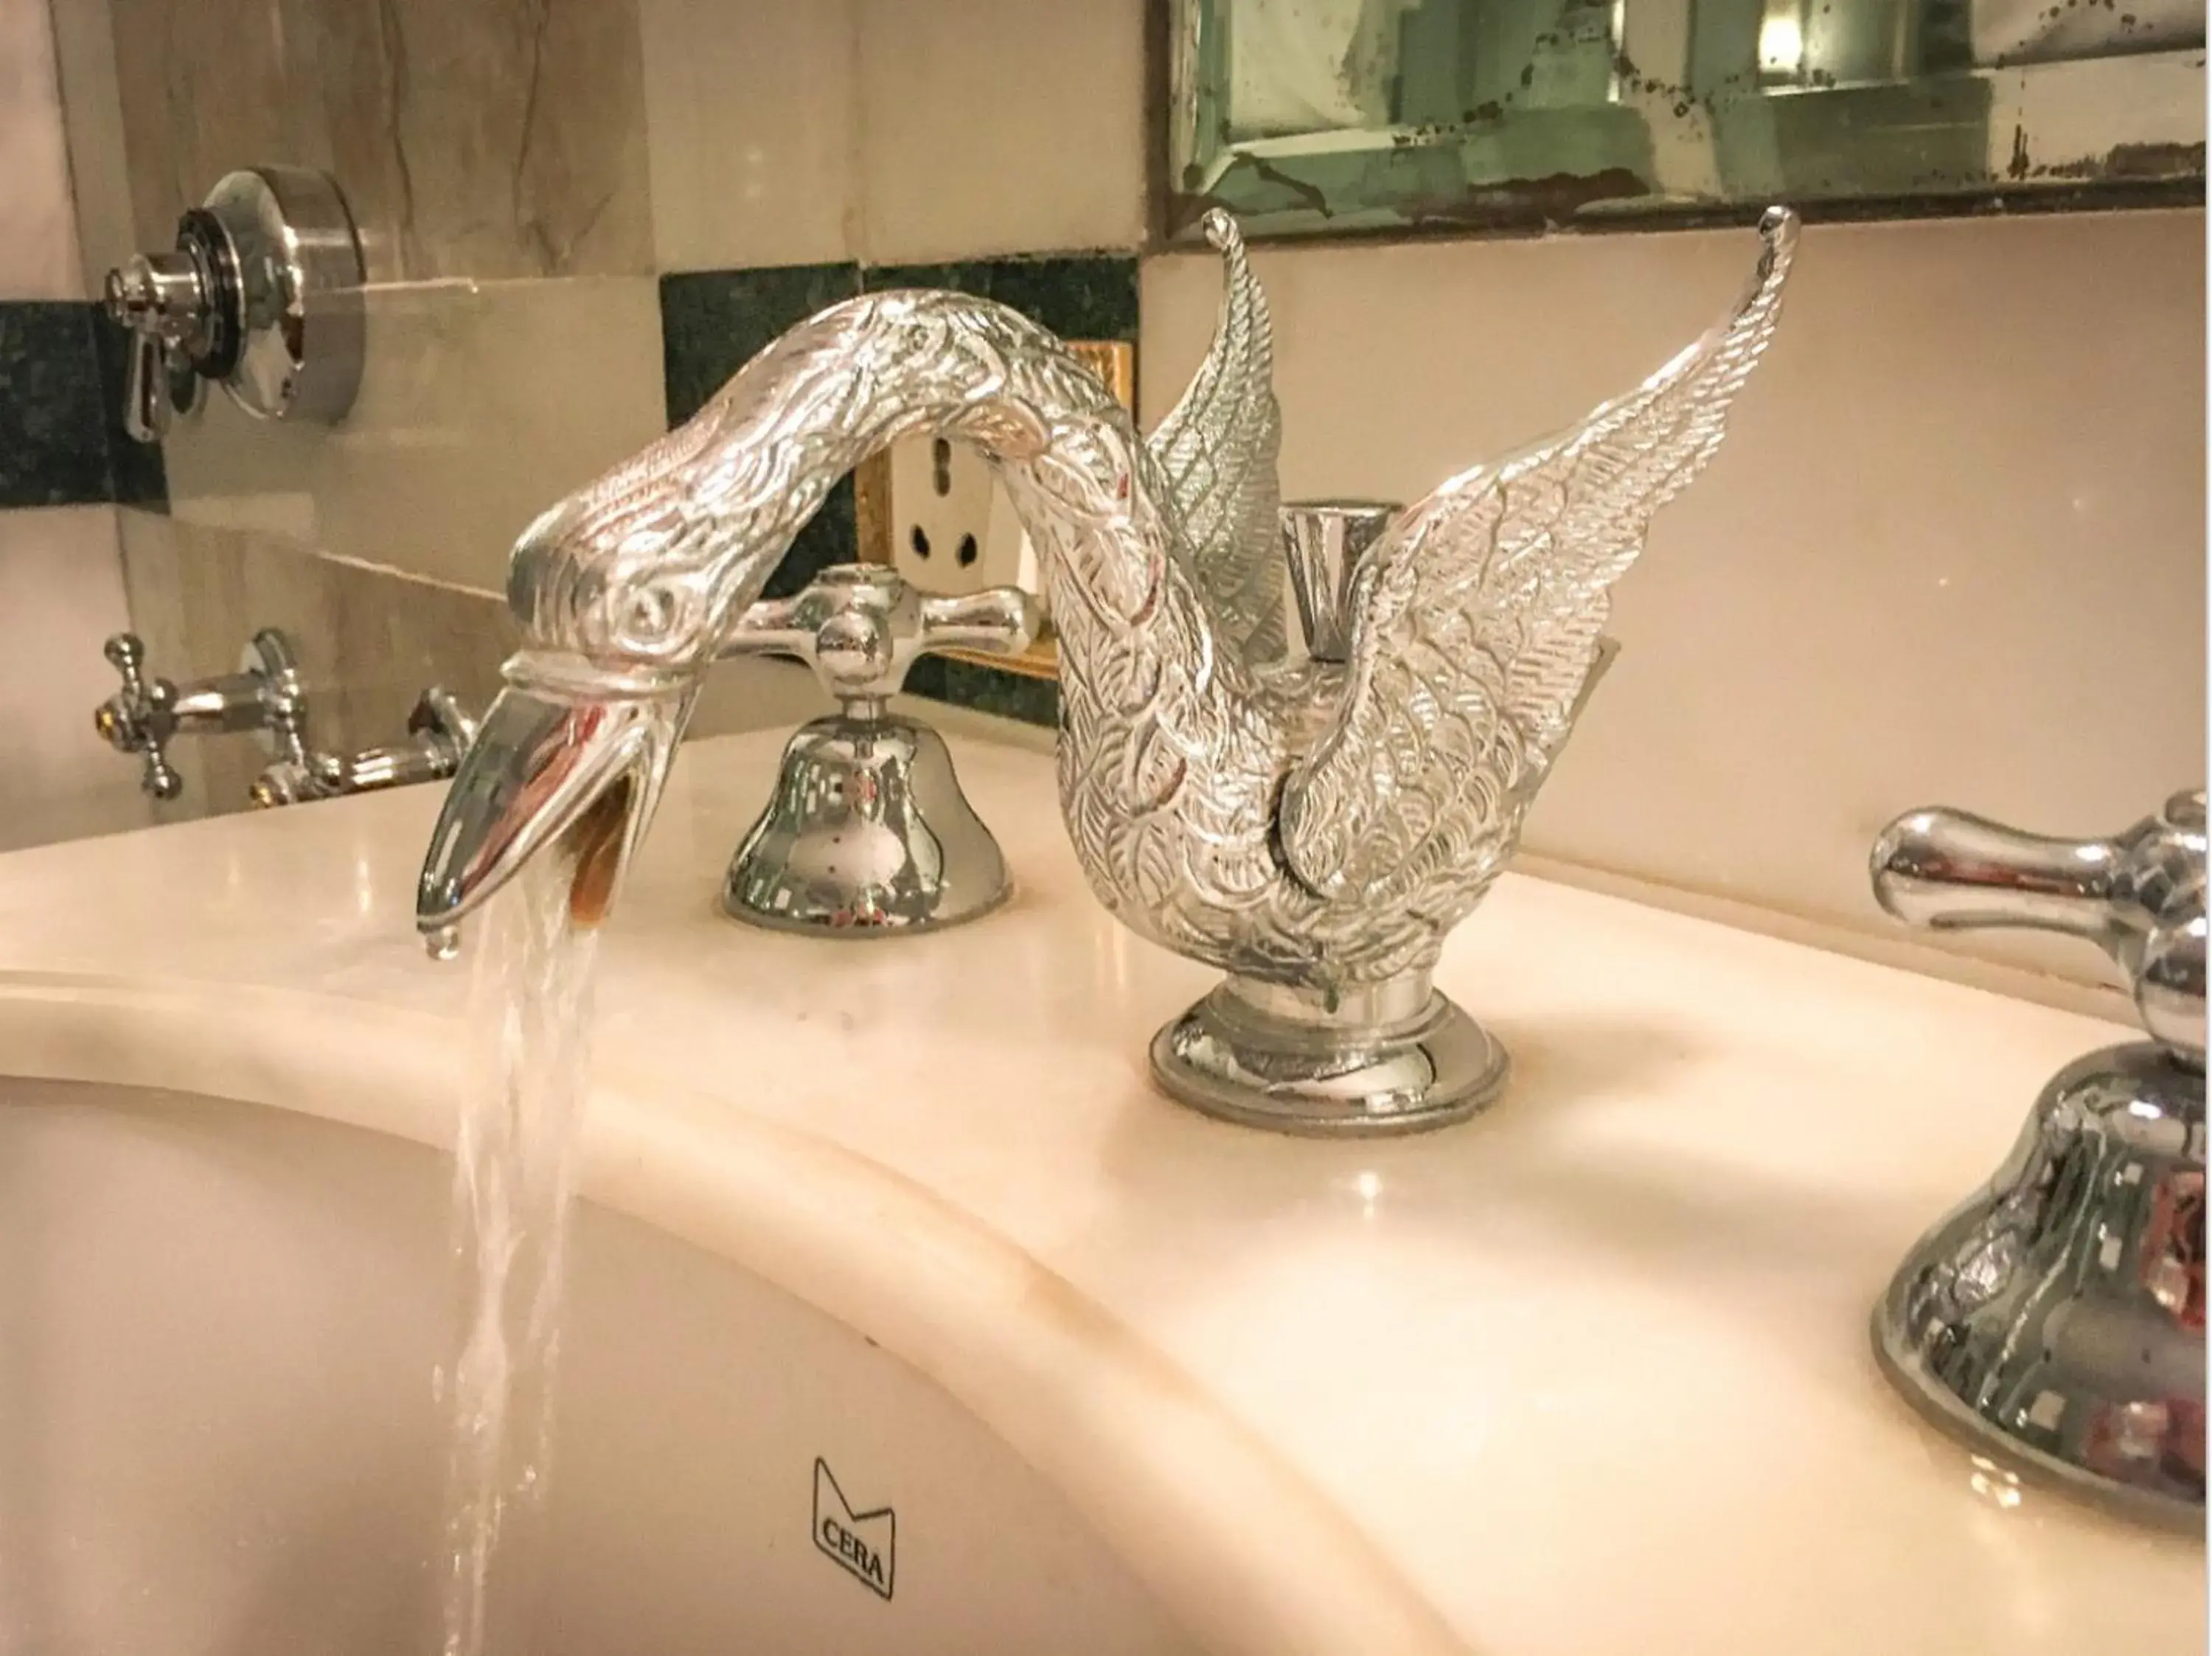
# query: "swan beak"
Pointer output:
{"type": "Point", "coordinates": [549, 769]}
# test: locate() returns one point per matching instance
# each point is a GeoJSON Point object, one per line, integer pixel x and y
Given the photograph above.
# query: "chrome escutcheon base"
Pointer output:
{"type": "Point", "coordinates": [867, 835]}
{"type": "Point", "coordinates": [1396, 1058]}
{"type": "Point", "coordinates": [2054, 1322]}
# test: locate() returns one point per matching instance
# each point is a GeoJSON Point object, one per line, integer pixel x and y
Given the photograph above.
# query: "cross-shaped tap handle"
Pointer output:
{"type": "Point", "coordinates": [2138, 895]}
{"type": "Point", "coordinates": [141, 717]}
{"type": "Point", "coordinates": [860, 627]}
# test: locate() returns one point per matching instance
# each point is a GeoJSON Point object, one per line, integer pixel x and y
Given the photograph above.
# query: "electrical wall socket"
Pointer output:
{"type": "Point", "coordinates": [953, 531]}
{"type": "Point", "coordinates": [934, 511]}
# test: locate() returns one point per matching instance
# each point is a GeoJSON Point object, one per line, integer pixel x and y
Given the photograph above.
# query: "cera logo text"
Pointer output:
{"type": "Point", "coordinates": [865, 1545]}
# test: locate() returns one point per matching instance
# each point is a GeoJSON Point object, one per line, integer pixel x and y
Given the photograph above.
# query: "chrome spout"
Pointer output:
{"type": "Point", "coordinates": [575, 768]}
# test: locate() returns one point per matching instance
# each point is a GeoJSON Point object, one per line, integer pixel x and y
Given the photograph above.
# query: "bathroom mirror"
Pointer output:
{"type": "Point", "coordinates": [1307, 116]}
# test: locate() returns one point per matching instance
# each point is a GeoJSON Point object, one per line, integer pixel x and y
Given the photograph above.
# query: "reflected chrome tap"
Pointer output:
{"type": "Point", "coordinates": [439, 731]}
{"type": "Point", "coordinates": [1312, 828]}
{"type": "Point", "coordinates": [266, 696]}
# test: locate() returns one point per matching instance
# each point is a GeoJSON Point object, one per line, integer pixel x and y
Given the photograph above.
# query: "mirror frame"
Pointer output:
{"type": "Point", "coordinates": [1412, 180]}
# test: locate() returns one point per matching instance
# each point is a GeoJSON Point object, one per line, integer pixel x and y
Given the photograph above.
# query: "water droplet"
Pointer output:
{"type": "Point", "coordinates": [444, 944]}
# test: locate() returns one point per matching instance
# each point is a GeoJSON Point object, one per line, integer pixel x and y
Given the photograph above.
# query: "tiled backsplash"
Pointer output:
{"type": "Point", "coordinates": [1954, 549]}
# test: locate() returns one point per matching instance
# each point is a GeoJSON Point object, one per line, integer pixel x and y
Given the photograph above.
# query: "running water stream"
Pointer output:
{"type": "Point", "coordinates": [515, 1163]}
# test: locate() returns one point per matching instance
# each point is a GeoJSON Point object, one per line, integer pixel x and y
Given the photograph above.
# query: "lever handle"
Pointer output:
{"type": "Point", "coordinates": [861, 626]}
{"type": "Point", "coordinates": [163, 300]}
{"type": "Point", "coordinates": [2139, 895]}
{"type": "Point", "coordinates": [146, 390]}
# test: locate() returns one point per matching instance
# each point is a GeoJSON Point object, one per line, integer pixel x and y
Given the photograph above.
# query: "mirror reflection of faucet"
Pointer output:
{"type": "Point", "coordinates": [867, 834]}
{"type": "Point", "coordinates": [265, 695]}
{"type": "Point", "coordinates": [268, 696]}
{"type": "Point", "coordinates": [2054, 1321]}
{"type": "Point", "coordinates": [439, 731]}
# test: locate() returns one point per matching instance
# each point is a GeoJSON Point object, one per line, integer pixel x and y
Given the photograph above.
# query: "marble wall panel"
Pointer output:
{"type": "Point", "coordinates": [489, 139]}
{"type": "Point", "coordinates": [61, 596]}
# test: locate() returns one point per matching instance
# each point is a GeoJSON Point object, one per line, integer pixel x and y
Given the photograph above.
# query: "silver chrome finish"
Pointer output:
{"type": "Point", "coordinates": [1394, 1058]}
{"type": "Point", "coordinates": [1312, 827]}
{"type": "Point", "coordinates": [262, 293]}
{"type": "Point", "coordinates": [439, 731]}
{"type": "Point", "coordinates": [867, 834]}
{"type": "Point", "coordinates": [2056, 1319]}
{"type": "Point", "coordinates": [1326, 542]}
{"type": "Point", "coordinates": [266, 696]}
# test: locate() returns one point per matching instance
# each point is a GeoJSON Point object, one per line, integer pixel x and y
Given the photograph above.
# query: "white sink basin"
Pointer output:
{"type": "Point", "coordinates": [217, 1431]}
{"type": "Point", "coordinates": [1587, 1374]}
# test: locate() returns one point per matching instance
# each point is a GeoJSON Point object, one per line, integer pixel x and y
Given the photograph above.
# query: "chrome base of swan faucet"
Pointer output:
{"type": "Point", "coordinates": [868, 835]}
{"type": "Point", "coordinates": [2054, 1322]}
{"type": "Point", "coordinates": [1396, 1058]}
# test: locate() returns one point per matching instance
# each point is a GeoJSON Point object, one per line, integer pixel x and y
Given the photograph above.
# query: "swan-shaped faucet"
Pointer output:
{"type": "Point", "coordinates": [1313, 828]}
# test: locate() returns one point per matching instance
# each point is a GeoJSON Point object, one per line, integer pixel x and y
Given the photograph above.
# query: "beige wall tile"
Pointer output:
{"type": "Point", "coordinates": [1000, 126]}
{"type": "Point", "coordinates": [749, 107]}
{"type": "Point", "coordinates": [481, 138]}
{"type": "Point", "coordinates": [480, 406]}
{"type": "Point", "coordinates": [92, 115]}
{"type": "Point", "coordinates": [61, 595]}
{"type": "Point", "coordinates": [1953, 550]}
{"type": "Point", "coordinates": [39, 254]}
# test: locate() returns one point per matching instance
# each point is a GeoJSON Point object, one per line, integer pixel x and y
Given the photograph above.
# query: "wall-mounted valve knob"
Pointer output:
{"type": "Point", "coordinates": [262, 294]}
{"type": "Point", "coordinates": [868, 833]}
{"type": "Point", "coordinates": [265, 695]}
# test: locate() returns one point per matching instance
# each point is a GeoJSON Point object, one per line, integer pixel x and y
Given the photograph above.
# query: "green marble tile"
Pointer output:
{"type": "Point", "coordinates": [1077, 295]}
{"type": "Point", "coordinates": [62, 441]}
{"type": "Point", "coordinates": [53, 446]}
{"type": "Point", "coordinates": [988, 689]}
{"type": "Point", "coordinates": [712, 323]}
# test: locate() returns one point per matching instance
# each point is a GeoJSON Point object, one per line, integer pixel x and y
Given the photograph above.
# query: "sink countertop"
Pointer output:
{"type": "Point", "coordinates": [1590, 1373]}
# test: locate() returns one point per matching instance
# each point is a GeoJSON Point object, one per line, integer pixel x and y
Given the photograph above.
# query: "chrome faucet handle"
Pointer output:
{"type": "Point", "coordinates": [2139, 895]}
{"type": "Point", "coordinates": [166, 300]}
{"type": "Point", "coordinates": [265, 695]}
{"type": "Point", "coordinates": [141, 717]}
{"type": "Point", "coordinates": [860, 627]}
{"type": "Point", "coordinates": [439, 731]}
{"type": "Point", "coordinates": [867, 833]}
